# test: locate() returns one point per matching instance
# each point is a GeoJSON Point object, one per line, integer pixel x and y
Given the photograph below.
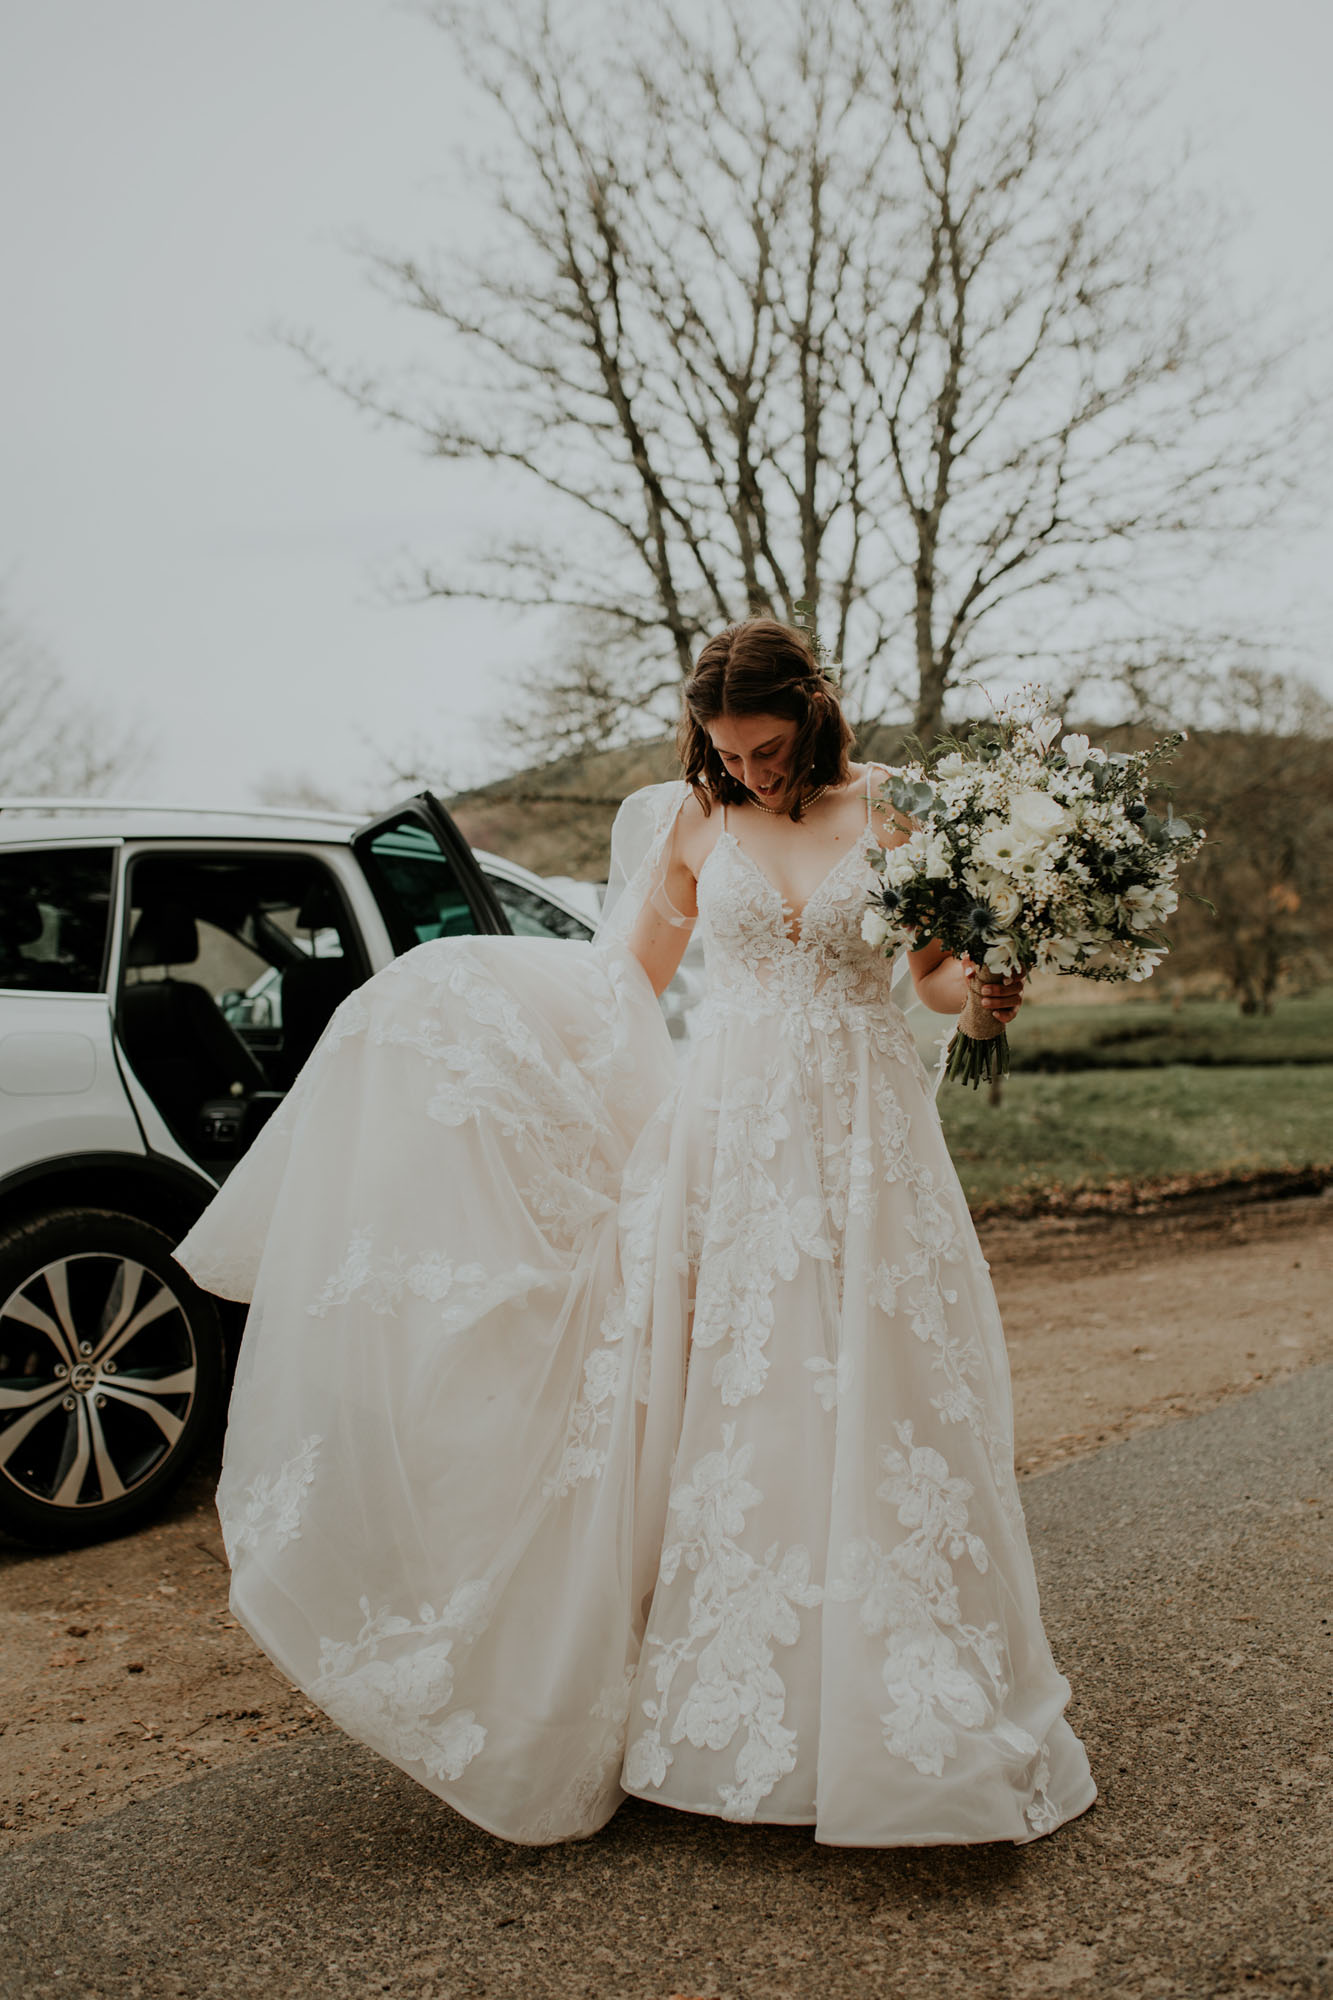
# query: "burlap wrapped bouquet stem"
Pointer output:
{"type": "Point", "coordinates": [978, 1021]}
{"type": "Point", "coordinates": [979, 1050]}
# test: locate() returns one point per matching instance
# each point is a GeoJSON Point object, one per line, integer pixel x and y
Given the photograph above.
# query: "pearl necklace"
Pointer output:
{"type": "Point", "coordinates": [808, 800]}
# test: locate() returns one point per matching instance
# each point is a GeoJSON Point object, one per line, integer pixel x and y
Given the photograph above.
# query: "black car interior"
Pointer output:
{"type": "Point", "coordinates": [54, 915]}
{"type": "Point", "coordinates": [232, 967]}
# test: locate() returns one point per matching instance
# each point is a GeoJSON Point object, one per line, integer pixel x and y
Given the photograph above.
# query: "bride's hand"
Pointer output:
{"type": "Point", "coordinates": [1001, 997]}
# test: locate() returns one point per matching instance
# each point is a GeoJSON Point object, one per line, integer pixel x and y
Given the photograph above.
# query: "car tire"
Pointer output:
{"type": "Point", "coordinates": [111, 1374]}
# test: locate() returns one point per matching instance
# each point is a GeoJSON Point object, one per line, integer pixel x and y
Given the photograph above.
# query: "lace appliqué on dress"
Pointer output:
{"type": "Point", "coordinates": [908, 1596]}
{"type": "Point", "coordinates": [269, 1510]}
{"type": "Point", "coordinates": [393, 1683]}
{"type": "Point", "coordinates": [739, 1609]}
{"type": "Point", "coordinates": [381, 1281]}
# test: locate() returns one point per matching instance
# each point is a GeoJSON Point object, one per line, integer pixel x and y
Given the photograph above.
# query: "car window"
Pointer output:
{"type": "Point", "coordinates": [416, 884]}
{"type": "Point", "coordinates": [531, 915]}
{"type": "Point", "coordinates": [55, 911]}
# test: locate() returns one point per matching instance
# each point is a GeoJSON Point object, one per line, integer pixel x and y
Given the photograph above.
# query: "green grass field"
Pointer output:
{"type": "Point", "coordinates": [1147, 1034]}
{"type": "Point", "coordinates": [1095, 1126]}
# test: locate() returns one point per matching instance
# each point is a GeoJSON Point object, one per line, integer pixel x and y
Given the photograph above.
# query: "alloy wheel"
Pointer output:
{"type": "Point", "coordinates": [98, 1376]}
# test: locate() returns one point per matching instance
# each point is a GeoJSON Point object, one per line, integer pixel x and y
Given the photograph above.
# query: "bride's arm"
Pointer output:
{"type": "Point", "coordinates": [659, 943]}
{"type": "Point", "coordinates": [942, 982]}
{"type": "Point", "coordinates": [663, 926]}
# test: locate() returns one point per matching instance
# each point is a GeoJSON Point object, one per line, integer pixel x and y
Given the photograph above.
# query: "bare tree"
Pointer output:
{"type": "Point", "coordinates": [859, 303]}
{"type": "Point", "coordinates": [52, 741]}
{"type": "Point", "coordinates": [589, 691]}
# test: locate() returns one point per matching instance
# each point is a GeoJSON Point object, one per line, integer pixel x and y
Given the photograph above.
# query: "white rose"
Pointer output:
{"type": "Point", "coordinates": [1006, 902]}
{"type": "Point", "coordinates": [900, 864]}
{"type": "Point", "coordinates": [1036, 815]}
{"type": "Point", "coordinates": [876, 929]}
{"type": "Point", "coordinates": [951, 766]}
{"type": "Point", "coordinates": [1076, 750]}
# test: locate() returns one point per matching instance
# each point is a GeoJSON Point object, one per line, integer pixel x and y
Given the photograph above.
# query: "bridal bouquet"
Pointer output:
{"type": "Point", "coordinates": [1029, 855]}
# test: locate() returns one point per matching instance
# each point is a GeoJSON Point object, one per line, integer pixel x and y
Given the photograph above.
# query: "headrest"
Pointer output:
{"type": "Point", "coordinates": [319, 906]}
{"type": "Point", "coordinates": [164, 934]}
{"type": "Point", "coordinates": [21, 918]}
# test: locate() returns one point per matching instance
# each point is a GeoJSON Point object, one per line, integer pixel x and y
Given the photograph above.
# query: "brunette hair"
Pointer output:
{"type": "Point", "coordinates": [762, 668]}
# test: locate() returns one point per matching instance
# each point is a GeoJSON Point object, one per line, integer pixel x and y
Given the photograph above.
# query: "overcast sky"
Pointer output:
{"type": "Point", "coordinates": [195, 530]}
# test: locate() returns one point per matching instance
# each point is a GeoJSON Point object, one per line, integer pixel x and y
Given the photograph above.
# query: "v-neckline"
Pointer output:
{"type": "Point", "coordinates": [789, 915]}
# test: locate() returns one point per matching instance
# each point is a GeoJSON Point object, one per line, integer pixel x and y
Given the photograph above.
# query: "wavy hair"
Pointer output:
{"type": "Point", "coordinates": [762, 668]}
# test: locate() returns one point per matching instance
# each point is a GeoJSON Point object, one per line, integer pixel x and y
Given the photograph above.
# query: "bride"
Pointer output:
{"type": "Point", "coordinates": [601, 1430]}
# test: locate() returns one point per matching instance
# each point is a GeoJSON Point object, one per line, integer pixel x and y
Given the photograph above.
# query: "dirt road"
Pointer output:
{"type": "Point", "coordinates": [121, 1670]}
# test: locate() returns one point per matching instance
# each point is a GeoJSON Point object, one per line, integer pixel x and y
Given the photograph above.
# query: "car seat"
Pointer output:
{"type": "Point", "coordinates": [180, 1047]}
{"type": "Point", "coordinates": [313, 987]}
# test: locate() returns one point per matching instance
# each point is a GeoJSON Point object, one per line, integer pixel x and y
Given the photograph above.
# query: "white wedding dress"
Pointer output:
{"type": "Point", "coordinates": [475, 1504]}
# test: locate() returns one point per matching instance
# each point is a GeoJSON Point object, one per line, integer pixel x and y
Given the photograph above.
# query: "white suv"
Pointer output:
{"type": "Point", "coordinates": [163, 976]}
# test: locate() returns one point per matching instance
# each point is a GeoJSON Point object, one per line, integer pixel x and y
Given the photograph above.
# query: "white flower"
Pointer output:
{"type": "Point", "coordinates": [900, 863]}
{"type": "Point", "coordinates": [876, 929]}
{"type": "Point", "coordinates": [1005, 901]}
{"type": "Point", "coordinates": [1037, 815]}
{"type": "Point", "coordinates": [1004, 849]}
{"type": "Point", "coordinates": [1142, 905]}
{"type": "Point", "coordinates": [1044, 731]}
{"type": "Point", "coordinates": [951, 766]}
{"type": "Point", "coordinates": [1000, 957]}
{"type": "Point", "coordinates": [1076, 750]}
{"type": "Point", "coordinates": [939, 857]}
{"type": "Point", "coordinates": [1058, 954]}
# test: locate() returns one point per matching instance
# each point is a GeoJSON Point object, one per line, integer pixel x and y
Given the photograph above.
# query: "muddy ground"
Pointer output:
{"type": "Point", "coordinates": [121, 1670]}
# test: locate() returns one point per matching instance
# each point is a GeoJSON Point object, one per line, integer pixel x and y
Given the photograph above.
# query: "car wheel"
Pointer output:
{"type": "Point", "coordinates": [111, 1374]}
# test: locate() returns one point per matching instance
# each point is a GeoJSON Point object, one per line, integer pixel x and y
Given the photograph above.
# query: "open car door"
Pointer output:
{"type": "Point", "coordinates": [423, 875]}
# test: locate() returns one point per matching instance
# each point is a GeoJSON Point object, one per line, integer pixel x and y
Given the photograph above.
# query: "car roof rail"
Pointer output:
{"type": "Point", "coordinates": [167, 806]}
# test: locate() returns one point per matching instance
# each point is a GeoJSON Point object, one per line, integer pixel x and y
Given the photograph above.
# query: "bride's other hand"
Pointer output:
{"type": "Point", "coordinates": [1001, 997]}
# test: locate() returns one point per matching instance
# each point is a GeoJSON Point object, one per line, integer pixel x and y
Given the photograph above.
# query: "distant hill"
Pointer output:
{"type": "Point", "coordinates": [557, 818]}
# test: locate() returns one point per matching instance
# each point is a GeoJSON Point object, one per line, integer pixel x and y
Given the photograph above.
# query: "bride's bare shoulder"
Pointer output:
{"type": "Point", "coordinates": [697, 827]}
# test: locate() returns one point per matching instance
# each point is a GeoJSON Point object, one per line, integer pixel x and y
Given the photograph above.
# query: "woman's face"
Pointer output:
{"type": "Point", "coordinates": [756, 751]}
